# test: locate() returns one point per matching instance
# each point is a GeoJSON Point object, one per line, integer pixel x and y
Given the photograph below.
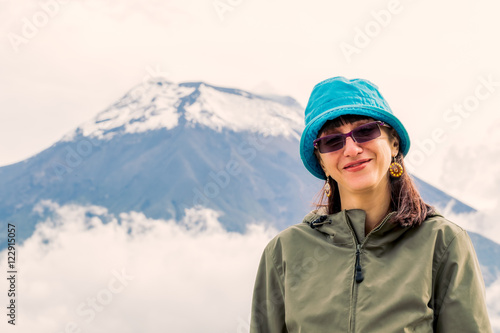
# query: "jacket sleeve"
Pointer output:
{"type": "Point", "coordinates": [460, 304]}
{"type": "Point", "coordinates": [268, 310]}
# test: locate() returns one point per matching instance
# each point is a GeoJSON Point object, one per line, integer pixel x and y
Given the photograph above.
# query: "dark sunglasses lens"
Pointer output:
{"type": "Point", "coordinates": [366, 132]}
{"type": "Point", "coordinates": [330, 144]}
{"type": "Point", "coordinates": [360, 134]}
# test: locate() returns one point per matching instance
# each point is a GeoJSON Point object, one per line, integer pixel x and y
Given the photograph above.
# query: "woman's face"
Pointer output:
{"type": "Point", "coordinates": [375, 155]}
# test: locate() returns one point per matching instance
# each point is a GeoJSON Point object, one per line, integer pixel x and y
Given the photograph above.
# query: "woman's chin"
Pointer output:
{"type": "Point", "coordinates": [360, 183]}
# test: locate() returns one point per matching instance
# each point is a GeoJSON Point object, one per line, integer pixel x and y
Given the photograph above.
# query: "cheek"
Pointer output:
{"type": "Point", "coordinates": [385, 156]}
{"type": "Point", "coordinates": [329, 163]}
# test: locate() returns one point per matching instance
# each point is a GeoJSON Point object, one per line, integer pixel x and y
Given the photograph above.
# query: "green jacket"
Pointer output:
{"type": "Point", "coordinates": [332, 278]}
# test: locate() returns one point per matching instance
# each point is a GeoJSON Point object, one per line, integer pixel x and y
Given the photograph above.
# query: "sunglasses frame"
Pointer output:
{"type": "Point", "coordinates": [346, 135]}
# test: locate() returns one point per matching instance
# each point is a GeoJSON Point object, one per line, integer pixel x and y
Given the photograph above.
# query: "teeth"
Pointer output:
{"type": "Point", "coordinates": [350, 166]}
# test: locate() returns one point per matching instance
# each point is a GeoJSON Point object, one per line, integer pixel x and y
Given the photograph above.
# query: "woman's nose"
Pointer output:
{"type": "Point", "coordinates": [351, 148]}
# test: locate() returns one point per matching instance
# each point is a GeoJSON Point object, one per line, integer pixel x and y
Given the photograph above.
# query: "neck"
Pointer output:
{"type": "Point", "coordinates": [375, 202]}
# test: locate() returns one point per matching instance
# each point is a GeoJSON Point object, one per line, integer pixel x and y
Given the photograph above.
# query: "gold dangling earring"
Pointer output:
{"type": "Point", "coordinates": [395, 169]}
{"type": "Point", "coordinates": [328, 188]}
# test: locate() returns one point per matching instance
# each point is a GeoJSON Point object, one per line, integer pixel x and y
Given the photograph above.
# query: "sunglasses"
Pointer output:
{"type": "Point", "coordinates": [360, 134]}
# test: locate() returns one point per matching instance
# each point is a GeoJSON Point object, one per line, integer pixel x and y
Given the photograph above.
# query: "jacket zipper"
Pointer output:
{"type": "Point", "coordinates": [359, 273]}
{"type": "Point", "coordinates": [358, 270]}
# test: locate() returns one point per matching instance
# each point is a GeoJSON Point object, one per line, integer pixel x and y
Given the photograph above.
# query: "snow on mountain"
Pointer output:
{"type": "Point", "coordinates": [156, 105]}
{"type": "Point", "coordinates": [217, 110]}
{"type": "Point", "coordinates": [144, 108]}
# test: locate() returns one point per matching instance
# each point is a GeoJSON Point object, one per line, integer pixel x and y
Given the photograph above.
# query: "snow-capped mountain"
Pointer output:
{"type": "Point", "coordinates": [166, 147]}
{"type": "Point", "coordinates": [164, 105]}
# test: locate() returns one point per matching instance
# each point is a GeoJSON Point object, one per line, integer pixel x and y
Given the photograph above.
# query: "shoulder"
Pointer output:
{"type": "Point", "coordinates": [296, 238]}
{"type": "Point", "coordinates": [289, 236]}
{"type": "Point", "coordinates": [447, 237]}
{"type": "Point", "coordinates": [441, 229]}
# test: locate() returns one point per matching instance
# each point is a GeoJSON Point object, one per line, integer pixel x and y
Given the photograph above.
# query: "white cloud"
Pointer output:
{"type": "Point", "coordinates": [480, 222]}
{"type": "Point", "coordinates": [470, 168]}
{"type": "Point", "coordinates": [105, 273]}
{"type": "Point", "coordinates": [134, 274]}
{"type": "Point", "coordinates": [493, 303]}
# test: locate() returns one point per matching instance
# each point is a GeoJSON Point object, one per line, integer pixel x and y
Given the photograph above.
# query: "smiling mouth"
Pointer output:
{"type": "Point", "coordinates": [357, 164]}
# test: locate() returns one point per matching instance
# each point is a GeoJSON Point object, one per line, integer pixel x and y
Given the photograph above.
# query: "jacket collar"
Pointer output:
{"type": "Point", "coordinates": [348, 226]}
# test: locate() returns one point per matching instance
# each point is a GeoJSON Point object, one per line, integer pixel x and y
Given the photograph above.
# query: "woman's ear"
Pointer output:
{"type": "Point", "coordinates": [395, 147]}
{"type": "Point", "coordinates": [394, 142]}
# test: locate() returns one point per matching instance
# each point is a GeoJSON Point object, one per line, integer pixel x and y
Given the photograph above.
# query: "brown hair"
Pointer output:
{"type": "Point", "coordinates": [405, 198]}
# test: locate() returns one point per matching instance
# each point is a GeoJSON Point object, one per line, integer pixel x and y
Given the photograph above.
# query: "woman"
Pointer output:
{"type": "Point", "coordinates": [375, 257]}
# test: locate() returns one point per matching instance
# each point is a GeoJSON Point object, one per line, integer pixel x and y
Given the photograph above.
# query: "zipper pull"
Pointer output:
{"type": "Point", "coordinates": [359, 272]}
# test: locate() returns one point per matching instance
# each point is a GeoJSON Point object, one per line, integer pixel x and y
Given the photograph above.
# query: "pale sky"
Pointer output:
{"type": "Point", "coordinates": [64, 61]}
{"type": "Point", "coordinates": [436, 62]}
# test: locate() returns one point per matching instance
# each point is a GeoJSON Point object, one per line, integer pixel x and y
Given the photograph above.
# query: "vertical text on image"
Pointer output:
{"type": "Point", "coordinates": [11, 273]}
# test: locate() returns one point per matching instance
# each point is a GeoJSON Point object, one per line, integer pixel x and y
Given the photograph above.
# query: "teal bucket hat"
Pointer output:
{"type": "Point", "coordinates": [339, 96]}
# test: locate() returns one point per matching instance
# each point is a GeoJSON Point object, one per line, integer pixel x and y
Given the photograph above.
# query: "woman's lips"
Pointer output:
{"type": "Point", "coordinates": [357, 166]}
